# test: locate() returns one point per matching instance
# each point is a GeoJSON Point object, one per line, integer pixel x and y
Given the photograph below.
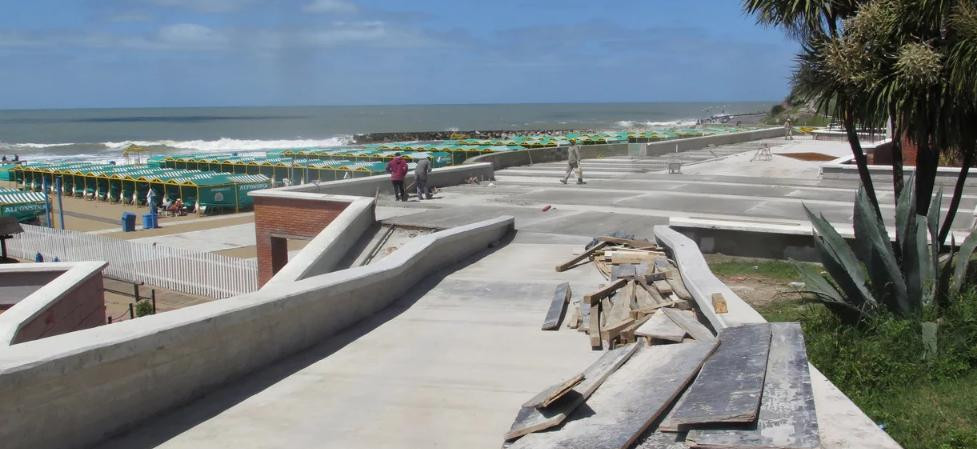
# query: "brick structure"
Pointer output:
{"type": "Point", "coordinates": [883, 154]}
{"type": "Point", "coordinates": [278, 219]}
{"type": "Point", "coordinates": [82, 307]}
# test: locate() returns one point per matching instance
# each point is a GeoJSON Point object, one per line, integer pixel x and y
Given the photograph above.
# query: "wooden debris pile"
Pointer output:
{"type": "Point", "coordinates": [748, 388]}
{"type": "Point", "coordinates": [666, 380]}
{"type": "Point", "coordinates": [644, 286]}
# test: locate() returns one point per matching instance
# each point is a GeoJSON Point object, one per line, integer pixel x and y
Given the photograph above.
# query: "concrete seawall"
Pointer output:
{"type": "Point", "coordinates": [439, 177]}
{"type": "Point", "coordinates": [531, 156]}
{"type": "Point", "coordinates": [136, 369]}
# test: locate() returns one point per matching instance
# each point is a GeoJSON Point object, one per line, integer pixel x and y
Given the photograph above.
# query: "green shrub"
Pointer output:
{"type": "Point", "coordinates": [144, 308]}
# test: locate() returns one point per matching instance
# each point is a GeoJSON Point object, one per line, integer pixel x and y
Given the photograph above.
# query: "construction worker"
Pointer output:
{"type": "Point", "coordinates": [573, 163]}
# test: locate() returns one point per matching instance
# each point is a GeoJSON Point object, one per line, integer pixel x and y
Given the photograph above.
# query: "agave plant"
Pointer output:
{"type": "Point", "coordinates": [873, 274]}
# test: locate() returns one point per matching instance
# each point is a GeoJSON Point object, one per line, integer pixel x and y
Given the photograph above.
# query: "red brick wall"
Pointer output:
{"type": "Point", "coordinates": [288, 217]}
{"type": "Point", "coordinates": [883, 154]}
{"type": "Point", "coordinates": [81, 308]}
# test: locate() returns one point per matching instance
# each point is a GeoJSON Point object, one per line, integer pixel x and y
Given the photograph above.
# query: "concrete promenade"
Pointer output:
{"type": "Point", "coordinates": [630, 195]}
{"type": "Point", "coordinates": [446, 366]}
{"type": "Point", "coordinates": [449, 363]}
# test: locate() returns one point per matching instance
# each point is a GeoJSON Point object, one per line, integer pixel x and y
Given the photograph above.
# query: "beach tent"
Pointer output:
{"type": "Point", "coordinates": [24, 206]}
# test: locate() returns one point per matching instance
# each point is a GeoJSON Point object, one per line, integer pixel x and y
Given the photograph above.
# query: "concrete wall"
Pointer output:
{"type": "Point", "coordinates": [126, 372]}
{"type": "Point", "coordinates": [72, 300]}
{"type": "Point", "coordinates": [842, 425]}
{"type": "Point", "coordinates": [326, 250]}
{"type": "Point", "coordinates": [532, 156]}
{"type": "Point", "coordinates": [439, 177]}
{"type": "Point", "coordinates": [945, 176]}
{"type": "Point", "coordinates": [297, 215]}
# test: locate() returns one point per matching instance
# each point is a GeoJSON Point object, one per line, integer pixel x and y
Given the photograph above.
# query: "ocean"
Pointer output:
{"type": "Point", "coordinates": [101, 134]}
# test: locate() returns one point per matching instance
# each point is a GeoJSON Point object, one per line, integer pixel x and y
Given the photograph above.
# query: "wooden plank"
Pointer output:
{"type": "Point", "coordinates": [557, 307]}
{"type": "Point", "coordinates": [719, 303]}
{"type": "Point", "coordinates": [627, 334]}
{"type": "Point", "coordinates": [553, 392]}
{"type": "Point", "coordinates": [787, 418]}
{"type": "Point", "coordinates": [663, 287]}
{"type": "Point", "coordinates": [678, 285]}
{"type": "Point", "coordinates": [584, 317]}
{"type": "Point", "coordinates": [622, 272]}
{"type": "Point", "coordinates": [611, 332]}
{"type": "Point", "coordinates": [531, 419]}
{"type": "Point", "coordinates": [586, 254]}
{"type": "Point", "coordinates": [594, 330]}
{"type": "Point", "coordinates": [643, 299]}
{"type": "Point", "coordinates": [629, 257]}
{"type": "Point", "coordinates": [686, 321]}
{"type": "Point", "coordinates": [628, 402]}
{"type": "Point", "coordinates": [595, 297]}
{"type": "Point", "coordinates": [729, 387]}
{"type": "Point", "coordinates": [620, 308]}
{"type": "Point", "coordinates": [629, 242]}
{"type": "Point", "coordinates": [662, 440]}
{"type": "Point", "coordinates": [660, 326]}
{"type": "Point", "coordinates": [573, 316]}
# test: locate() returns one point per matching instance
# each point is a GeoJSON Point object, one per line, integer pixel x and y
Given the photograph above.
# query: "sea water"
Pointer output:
{"type": "Point", "coordinates": [91, 134]}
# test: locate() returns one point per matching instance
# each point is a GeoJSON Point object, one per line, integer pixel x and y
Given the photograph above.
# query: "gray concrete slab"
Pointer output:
{"type": "Point", "coordinates": [446, 366]}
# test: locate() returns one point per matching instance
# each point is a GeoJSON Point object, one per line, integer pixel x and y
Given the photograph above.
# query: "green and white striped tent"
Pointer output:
{"type": "Point", "coordinates": [24, 206]}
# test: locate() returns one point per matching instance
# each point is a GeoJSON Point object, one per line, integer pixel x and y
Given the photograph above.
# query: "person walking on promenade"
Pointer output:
{"type": "Point", "coordinates": [397, 167]}
{"type": "Point", "coordinates": [788, 130]}
{"type": "Point", "coordinates": [573, 163]}
{"type": "Point", "coordinates": [422, 168]}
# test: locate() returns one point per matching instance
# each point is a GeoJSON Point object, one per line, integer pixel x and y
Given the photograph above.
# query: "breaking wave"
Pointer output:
{"type": "Point", "coordinates": [113, 150]}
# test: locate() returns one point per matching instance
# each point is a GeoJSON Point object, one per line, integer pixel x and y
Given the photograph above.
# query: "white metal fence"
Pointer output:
{"type": "Point", "coordinates": [194, 272]}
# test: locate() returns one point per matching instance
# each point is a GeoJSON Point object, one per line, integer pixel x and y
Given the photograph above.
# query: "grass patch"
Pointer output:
{"type": "Point", "coordinates": [773, 269]}
{"type": "Point", "coordinates": [923, 402]}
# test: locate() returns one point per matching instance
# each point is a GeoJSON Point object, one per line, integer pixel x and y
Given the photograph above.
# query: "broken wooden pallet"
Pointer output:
{"type": "Point", "coordinates": [787, 417]}
{"type": "Point", "coordinates": [629, 401]}
{"type": "Point", "coordinates": [531, 419]}
{"type": "Point", "coordinates": [557, 307]}
{"type": "Point", "coordinates": [729, 387]}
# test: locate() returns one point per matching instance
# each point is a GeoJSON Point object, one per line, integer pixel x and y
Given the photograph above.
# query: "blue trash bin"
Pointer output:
{"type": "Point", "coordinates": [128, 222]}
{"type": "Point", "coordinates": [149, 221]}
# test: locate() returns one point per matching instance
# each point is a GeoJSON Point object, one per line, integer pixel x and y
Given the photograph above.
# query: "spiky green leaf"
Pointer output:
{"type": "Point", "coordinates": [927, 272]}
{"type": "Point", "coordinates": [841, 263]}
{"type": "Point", "coordinates": [962, 262]}
{"type": "Point", "coordinates": [872, 240]}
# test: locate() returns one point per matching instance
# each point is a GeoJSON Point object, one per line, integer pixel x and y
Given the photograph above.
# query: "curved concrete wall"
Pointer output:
{"type": "Point", "coordinates": [323, 253]}
{"type": "Point", "coordinates": [439, 177]}
{"type": "Point", "coordinates": [842, 425]}
{"type": "Point", "coordinates": [123, 373]}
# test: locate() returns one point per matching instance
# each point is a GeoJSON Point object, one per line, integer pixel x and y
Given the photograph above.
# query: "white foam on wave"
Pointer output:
{"type": "Point", "coordinates": [652, 124]}
{"type": "Point", "coordinates": [228, 144]}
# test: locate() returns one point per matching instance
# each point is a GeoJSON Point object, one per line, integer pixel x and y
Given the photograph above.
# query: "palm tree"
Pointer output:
{"type": "Point", "coordinates": [914, 61]}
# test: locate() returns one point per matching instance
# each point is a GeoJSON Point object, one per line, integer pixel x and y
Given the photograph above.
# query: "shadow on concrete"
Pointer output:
{"type": "Point", "coordinates": [156, 430]}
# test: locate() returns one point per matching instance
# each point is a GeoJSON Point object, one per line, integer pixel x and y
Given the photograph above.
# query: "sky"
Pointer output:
{"type": "Point", "coordinates": [173, 53]}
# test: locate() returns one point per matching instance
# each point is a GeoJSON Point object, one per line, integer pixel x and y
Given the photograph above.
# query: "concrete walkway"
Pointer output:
{"type": "Point", "coordinates": [447, 366]}
{"type": "Point", "coordinates": [631, 194]}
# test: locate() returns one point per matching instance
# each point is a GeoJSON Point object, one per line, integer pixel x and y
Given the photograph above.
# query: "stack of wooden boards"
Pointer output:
{"type": "Point", "coordinates": [751, 390]}
{"type": "Point", "coordinates": [643, 299]}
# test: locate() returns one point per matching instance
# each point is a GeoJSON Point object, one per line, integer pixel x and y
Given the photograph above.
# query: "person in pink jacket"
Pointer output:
{"type": "Point", "coordinates": [397, 167]}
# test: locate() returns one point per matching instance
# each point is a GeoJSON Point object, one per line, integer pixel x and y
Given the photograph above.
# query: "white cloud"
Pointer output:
{"type": "Point", "coordinates": [205, 5]}
{"type": "Point", "coordinates": [190, 36]}
{"type": "Point", "coordinates": [330, 6]}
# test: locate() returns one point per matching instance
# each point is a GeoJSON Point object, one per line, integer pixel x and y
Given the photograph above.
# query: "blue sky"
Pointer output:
{"type": "Point", "coordinates": [114, 53]}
